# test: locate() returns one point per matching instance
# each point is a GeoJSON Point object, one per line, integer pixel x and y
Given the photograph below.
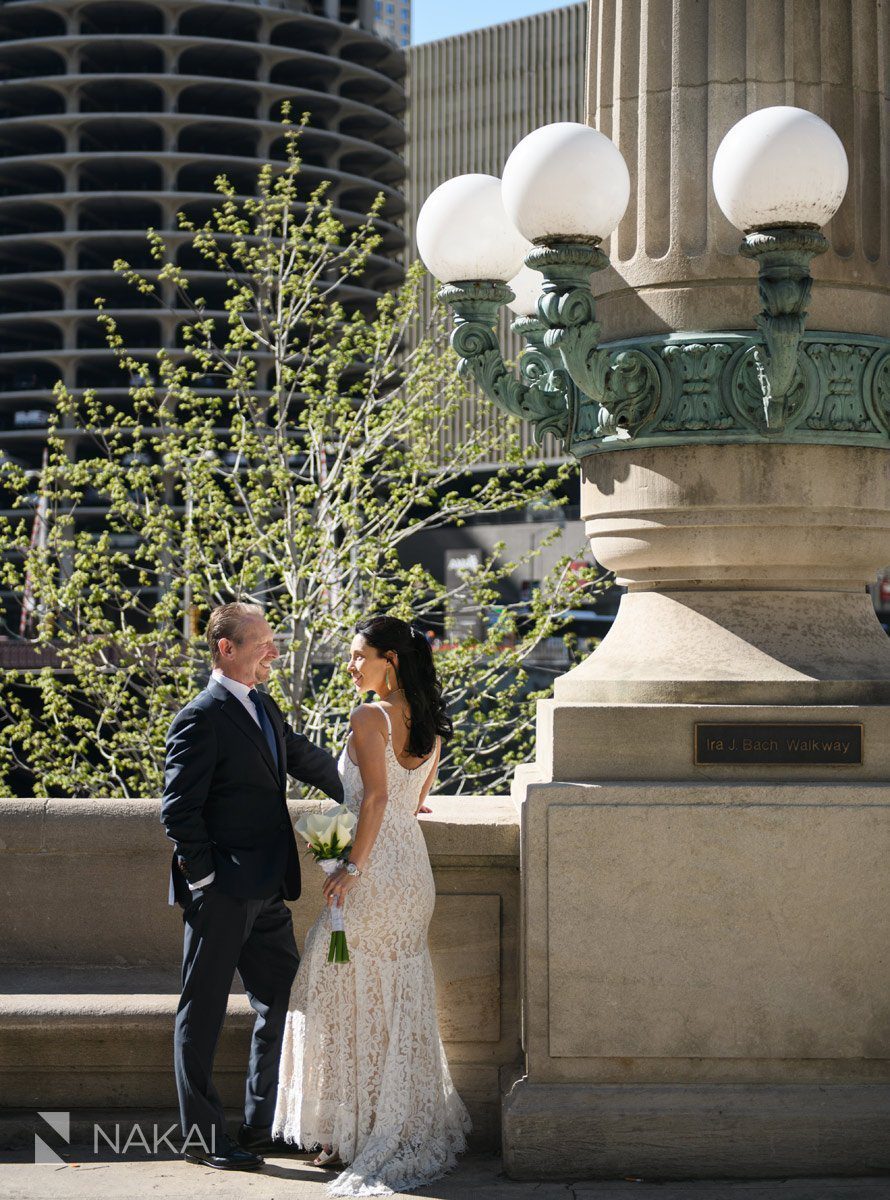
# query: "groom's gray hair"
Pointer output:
{"type": "Point", "coordinates": [227, 621]}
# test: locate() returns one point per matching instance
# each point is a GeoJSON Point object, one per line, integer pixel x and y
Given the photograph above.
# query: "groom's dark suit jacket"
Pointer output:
{"type": "Point", "coordinates": [224, 801]}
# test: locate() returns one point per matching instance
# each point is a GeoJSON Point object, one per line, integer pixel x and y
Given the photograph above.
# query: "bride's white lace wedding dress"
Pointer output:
{"type": "Point", "coordinates": [362, 1064]}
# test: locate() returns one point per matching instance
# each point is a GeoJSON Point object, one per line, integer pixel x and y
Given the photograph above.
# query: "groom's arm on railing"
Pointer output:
{"type": "Point", "coordinates": [188, 769]}
{"type": "Point", "coordinates": [310, 764]}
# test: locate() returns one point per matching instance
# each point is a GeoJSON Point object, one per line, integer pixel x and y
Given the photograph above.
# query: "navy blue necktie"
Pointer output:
{"type": "Point", "coordinates": [265, 723]}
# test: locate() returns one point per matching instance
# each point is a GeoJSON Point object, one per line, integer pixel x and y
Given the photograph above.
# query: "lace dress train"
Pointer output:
{"type": "Point", "coordinates": [362, 1065]}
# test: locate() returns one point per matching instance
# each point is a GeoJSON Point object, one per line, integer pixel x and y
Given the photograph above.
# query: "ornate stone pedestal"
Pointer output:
{"type": "Point", "coordinates": [706, 830]}
{"type": "Point", "coordinates": [705, 970]}
{"type": "Point", "coordinates": [705, 973]}
{"type": "Point", "coordinates": [746, 568]}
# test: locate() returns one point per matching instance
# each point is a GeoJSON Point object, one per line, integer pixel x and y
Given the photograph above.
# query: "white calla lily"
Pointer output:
{"type": "Point", "coordinates": [328, 833]}
{"type": "Point", "coordinates": [345, 827]}
{"type": "Point", "coordinates": [313, 826]}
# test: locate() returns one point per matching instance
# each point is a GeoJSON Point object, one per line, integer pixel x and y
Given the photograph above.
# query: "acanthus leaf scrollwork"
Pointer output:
{"type": "Point", "coordinates": [481, 360]}
{"type": "Point", "coordinates": [745, 395]}
{"type": "Point", "coordinates": [696, 368]}
{"type": "Point", "coordinates": [840, 368]}
{"type": "Point", "coordinates": [532, 397]}
{"type": "Point", "coordinates": [879, 391]}
{"type": "Point", "coordinates": [552, 397]}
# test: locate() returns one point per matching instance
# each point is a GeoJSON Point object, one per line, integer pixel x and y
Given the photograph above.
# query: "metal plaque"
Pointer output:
{"type": "Point", "coordinates": [762, 742]}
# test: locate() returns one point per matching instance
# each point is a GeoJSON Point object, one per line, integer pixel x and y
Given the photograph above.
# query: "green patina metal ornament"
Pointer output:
{"type": "Point", "coordinates": [540, 395]}
{"type": "Point", "coordinates": [783, 257]}
{"type": "Point", "coordinates": [781, 385]}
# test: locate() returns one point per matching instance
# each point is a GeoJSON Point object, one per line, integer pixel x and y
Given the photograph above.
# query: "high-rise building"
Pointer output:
{"type": "Point", "coordinates": [392, 20]}
{"type": "Point", "coordinates": [117, 114]}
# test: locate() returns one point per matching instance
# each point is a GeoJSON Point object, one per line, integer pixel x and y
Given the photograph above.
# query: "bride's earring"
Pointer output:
{"type": "Point", "coordinates": [388, 684]}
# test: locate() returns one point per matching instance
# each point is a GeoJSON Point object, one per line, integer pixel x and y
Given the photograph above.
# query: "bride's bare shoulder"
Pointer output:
{"type": "Point", "coordinates": [367, 718]}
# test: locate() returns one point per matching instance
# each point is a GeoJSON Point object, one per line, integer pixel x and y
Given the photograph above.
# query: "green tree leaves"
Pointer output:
{"type": "Point", "coordinates": [292, 450]}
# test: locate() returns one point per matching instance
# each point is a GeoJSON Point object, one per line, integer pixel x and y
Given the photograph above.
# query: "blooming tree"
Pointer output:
{"type": "Point", "coordinates": [292, 453]}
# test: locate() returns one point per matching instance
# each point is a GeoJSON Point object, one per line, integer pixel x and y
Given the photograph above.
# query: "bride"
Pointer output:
{"type": "Point", "coordinates": [363, 1072]}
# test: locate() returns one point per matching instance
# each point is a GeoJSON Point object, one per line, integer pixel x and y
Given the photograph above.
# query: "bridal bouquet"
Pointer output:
{"type": "Point", "coordinates": [329, 835]}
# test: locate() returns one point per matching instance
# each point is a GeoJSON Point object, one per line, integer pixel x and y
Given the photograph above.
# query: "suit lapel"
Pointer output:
{"type": "Point", "coordinates": [237, 713]}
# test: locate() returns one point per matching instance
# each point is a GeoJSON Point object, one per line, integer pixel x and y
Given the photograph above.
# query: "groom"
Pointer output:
{"type": "Point", "coordinates": [229, 752]}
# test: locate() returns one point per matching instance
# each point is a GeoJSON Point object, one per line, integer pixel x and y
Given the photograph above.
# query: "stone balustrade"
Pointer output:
{"type": "Point", "coordinates": [90, 955]}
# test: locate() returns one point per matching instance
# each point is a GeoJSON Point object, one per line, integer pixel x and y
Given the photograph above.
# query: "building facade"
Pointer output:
{"type": "Point", "coordinates": [392, 20]}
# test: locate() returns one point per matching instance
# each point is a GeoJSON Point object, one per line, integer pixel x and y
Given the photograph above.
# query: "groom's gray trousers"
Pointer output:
{"type": "Point", "coordinates": [223, 934]}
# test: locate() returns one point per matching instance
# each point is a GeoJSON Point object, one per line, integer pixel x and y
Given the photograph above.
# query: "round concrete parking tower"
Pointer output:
{"type": "Point", "coordinates": [117, 114]}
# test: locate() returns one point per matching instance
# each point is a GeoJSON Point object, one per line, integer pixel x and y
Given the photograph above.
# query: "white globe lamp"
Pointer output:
{"type": "Point", "coordinates": [526, 288]}
{"type": "Point", "coordinates": [464, 234]}
{"type": "Point", "coordinates": [565, 181]}
{"type": "Point", "coordinates": [780, 166]}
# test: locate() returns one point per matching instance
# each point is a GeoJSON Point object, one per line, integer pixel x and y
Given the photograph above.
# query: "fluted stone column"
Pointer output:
{"type": "Point", "coordinates": [754, 591]}
{"type": "Point", "coordinates": [668, 78]}
{"type": "Point", "coordinates": [705, 976]}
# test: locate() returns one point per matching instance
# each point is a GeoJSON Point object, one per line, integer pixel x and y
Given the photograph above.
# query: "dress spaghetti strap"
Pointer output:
{"type": "Point", "coordinates": [377, 704]}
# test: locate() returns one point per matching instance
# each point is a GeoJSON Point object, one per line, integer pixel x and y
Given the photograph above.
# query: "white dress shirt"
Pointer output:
{"type": "Point", "coordinates": [240, 692]}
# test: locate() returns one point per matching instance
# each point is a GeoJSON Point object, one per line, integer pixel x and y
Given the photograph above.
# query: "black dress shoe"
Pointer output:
{"type": "Point", "coordinates": [229, 1157]}
{"type": "Point", "coordinates": [256, 1137]}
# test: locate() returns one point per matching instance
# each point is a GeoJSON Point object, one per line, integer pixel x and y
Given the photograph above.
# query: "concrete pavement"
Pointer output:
{"type": "Point", "coordinates": [478, 1177]}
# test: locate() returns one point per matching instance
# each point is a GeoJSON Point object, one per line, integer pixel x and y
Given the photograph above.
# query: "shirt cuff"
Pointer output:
{"type": "Point", "coordinates": [207, 879]}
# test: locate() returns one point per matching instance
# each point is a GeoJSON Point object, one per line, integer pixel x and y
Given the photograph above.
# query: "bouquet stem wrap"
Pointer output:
{"type": "Point", "coordinates": [338, 951]}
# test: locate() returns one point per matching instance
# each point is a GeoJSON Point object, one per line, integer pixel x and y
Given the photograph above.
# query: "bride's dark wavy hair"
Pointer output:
{"type": "Point", "coordinates": [417, 677]}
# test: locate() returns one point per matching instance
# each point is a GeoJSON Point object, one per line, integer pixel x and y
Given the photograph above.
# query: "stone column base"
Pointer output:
{"type": "Point", "coordinates": [737, 646]}
{"type": "Point", "coordinates": [596, 743]}
{"type": "Point", "coordinates": [705, 980]}
{"type": "Point", "coordinates": [704, 1131]}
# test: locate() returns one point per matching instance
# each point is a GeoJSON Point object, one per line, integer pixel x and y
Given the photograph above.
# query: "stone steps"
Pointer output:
{"type": "Point", "coordinates": [94, 1037]}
